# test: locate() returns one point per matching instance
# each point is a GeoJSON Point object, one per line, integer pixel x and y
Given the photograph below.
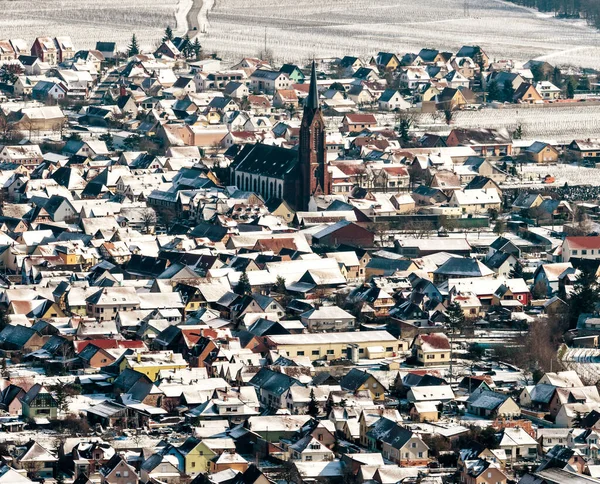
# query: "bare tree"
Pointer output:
{"type": "Point", "coordinates": [148, 219]}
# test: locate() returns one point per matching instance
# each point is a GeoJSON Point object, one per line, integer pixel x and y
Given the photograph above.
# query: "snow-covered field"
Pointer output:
{"type": "Point", "coordinates": [300, 29]}
{"type": "Point", "coordinates": [562, 123]}
{"type": "Point", "coordinates": [571, 174]}
{"type": "Point", "coordinates": [89, 21]}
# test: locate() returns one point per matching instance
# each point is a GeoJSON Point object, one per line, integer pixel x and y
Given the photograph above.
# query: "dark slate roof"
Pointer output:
{"type": "Point", "coordinates": [128, 378]}
{"type": "Point", "coordinates": [389, 265]}
{"type": "Point", "coordinates": [467, 51]}
{"type": "Point", "coordinates": [152, 462]}
{"type": "Point", "coordinates": [15, 337]}
{"type": "Point", "coordinates": [266, 160]}
{"type": "Point", "coordinates": [387, 95]}
{"type": "Point", "coordinates": [32, 394]}
{"type": "Point", "coordinates": [426, 191]}
{"type": "Point", "coordinates": [458, 266]}
{"type": "Point", "coordinates": [289, 69]}
{"type": "Point", "coordinates": [542, 393]}
{"type": "Point", "coordinates": [497, 259]}
{"type": "Point", "coordinates": [478, 182]}
{"type": "Point", "coordinates": [266, 327]}
{"type": "Point", "coordinates": [146, 265]}
{"type": "Point", "coordinates": [266, 74]}
{"type": "Point", "coordinates": [524, 200]}
{"type": "Point", "coordinates": [188, 445]}
{"type": "Point", "coordinates": [272, 381]}
{"type": "Point", "coordinates": [354, 379]}
{"type": "Point", "coordinates": [106, 46]}
{"type": "Point", "coordinates": [324, 378]}
{"type": "Point", "coordinates": [215, 233]}
{"type": "Point", "coordinates": [168, 336]}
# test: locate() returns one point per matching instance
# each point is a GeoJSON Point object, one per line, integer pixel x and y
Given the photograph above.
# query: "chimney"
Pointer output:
{"type": "Point", "coordinates": [139, 357]}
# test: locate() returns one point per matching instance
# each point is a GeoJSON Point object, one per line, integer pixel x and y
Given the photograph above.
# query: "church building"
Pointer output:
{"type": "Point", "coordinates": [293, 175]}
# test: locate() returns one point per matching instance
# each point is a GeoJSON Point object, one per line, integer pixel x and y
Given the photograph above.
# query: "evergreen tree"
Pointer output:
{"type": "Point", "coordinates": [404, 131]}
{"type": "Point", "coordinates": [243, 287]}
{"type": "Point", "coordinates": [313, 406]}
{"type": "Point", "coordinates": [570, 88]}
{"type": "Point", "coordinates": [518, 133]}
{"type": "Point", "coordinates": [280, 285]}
{"type": "Point", "coordinates": [197, 49]}
{"type": "Point", "coordinates": [556, 77]}
{"type": "Point", "coordinates": [584, 83]}
{"type": "Point", "coordinates": [478, 58]}
{"type": "Point", "coordinates": [537, 72]}
{"type": "Point", "coordinates": [508, 92]}
{"type": "Point", "coordinates": [134, 47]}
{"type": "Point", "coordinates": [456, 316]}
{"type": "Point", "coordinates": [493, 91]}
{"type": "Point", "coordinates": [108, 139]}
{"type": "Point", "coordinates": [585, 296]}
{"type": "Point", "coordinates": [168, 34]}
{"type": "Point", "coordinates": [187, 47]}
{"type": "Point", "coordinates": [500, 227]}
{"type": "Point", "coordinates": [517, 271]}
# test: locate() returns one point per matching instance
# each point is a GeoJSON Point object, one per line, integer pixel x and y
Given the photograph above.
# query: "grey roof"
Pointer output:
{"type": "Point", "coordinates": [542, 393]}
{"type": "Point", "coordinates": [487, 400]}
{"type": "Point", "coordinates": [331, 229]}
{"type": "Point", "coordinates": [459, 266]}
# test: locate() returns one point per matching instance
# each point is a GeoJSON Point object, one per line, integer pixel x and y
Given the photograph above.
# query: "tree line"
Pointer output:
{"type": "Point", "coordinates": [587, 9]}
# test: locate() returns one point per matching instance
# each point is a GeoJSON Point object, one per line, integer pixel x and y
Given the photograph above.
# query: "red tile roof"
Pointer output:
{"type": "Point", "coordinates": [584, 242]}
{"type": "Point", "coordinates": [109, 344]}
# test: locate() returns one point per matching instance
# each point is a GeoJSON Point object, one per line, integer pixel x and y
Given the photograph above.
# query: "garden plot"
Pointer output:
{"type": "Point", "coordinates": [297, 30]}
{"type": "Point", "coordinates": [89, 21]}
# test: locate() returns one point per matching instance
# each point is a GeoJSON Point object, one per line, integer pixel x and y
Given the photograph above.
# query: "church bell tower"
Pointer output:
{"type": "Point", "coordinates": [314, 178]}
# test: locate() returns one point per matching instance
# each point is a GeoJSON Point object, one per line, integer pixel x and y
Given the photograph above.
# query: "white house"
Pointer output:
{"type": "Point", "coordinates": [547, 90]}
{"type": "Point", "coordinates": [391, 100]}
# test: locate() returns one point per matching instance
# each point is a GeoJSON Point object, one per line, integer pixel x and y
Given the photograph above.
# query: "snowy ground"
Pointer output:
{"type": "Point", "coordinates": [532, 175]}
{"type": "Point", "coordinates": [298, 30]}
{"type": "Point", "coordinates": [562, 123]}
{"type": "Point", "coordinates": [89, 21]}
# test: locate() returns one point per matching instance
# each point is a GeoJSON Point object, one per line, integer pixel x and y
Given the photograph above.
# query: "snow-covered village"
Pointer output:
{"type": "Point", "coordinates": [249, 243]}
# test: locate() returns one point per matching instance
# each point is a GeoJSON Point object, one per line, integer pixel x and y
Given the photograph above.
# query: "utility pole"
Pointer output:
{"type": "Point", "coordinates": [265, 49]}
{"type": "Point", "coordinates": [466, 8]}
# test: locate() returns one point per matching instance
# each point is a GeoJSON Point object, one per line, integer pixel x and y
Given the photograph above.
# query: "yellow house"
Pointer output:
{"type": "Point", "coordinates": [280, 208]}
{"type": "Point", "coordinates": [432, 349]}
{"type": "Point", "coordinates": [351, 345]}
{"type": "Point", "coordinates": [150, 364]}
{"type": "Point", "coordinates": [424, 412]}
{"type": "Point", "coordinates": [540, 152]}
{"type": "Point", "coordinates": [36, 309]}
{"type": "Point", "coordinates": [357, 380]}
{"type": "Point", "coordinates": [197, 460]}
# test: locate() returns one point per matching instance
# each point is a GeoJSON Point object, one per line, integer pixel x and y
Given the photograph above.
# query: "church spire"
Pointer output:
{"type": "Point", "coordinates": [312, 101]}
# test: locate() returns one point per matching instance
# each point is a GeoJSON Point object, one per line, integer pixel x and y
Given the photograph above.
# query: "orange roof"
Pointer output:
{"type": "Point", "coordinates": [396, 170]}
{"type": "Point", "coordinates": [275, 245]}
{"type": "Point", "coordinates": [108, 344]}
{"type": "Point", "coordinates": [592, 242]}
{"type": "Point", "coordinates": [361, 118]}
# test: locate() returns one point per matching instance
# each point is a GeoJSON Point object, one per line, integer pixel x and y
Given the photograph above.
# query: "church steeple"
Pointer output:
{"type": "Point", "coordinates": [314, 178]}
{"type": "Point", "coordinates": [312, 101]}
